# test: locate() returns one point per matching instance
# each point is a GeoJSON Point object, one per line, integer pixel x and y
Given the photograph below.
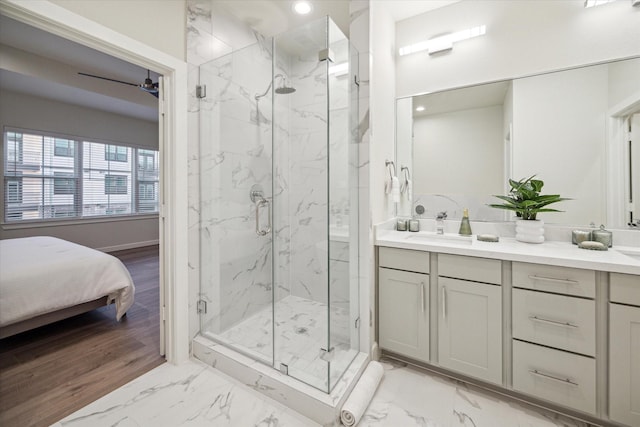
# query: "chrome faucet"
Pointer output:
{"type": "Point", "coordinates": [440, 222]}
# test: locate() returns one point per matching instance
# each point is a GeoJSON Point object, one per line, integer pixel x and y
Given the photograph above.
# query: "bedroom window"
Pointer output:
{"type": "Point", "coordinates": [53, 176]}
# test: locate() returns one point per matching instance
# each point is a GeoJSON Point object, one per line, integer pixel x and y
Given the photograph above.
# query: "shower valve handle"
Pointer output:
{"type": "Point", "coordinates": [260, 203]}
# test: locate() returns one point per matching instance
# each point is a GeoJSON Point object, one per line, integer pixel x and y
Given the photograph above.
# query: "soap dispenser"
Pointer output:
{"type": "Point", "coordinates": [465, 226]}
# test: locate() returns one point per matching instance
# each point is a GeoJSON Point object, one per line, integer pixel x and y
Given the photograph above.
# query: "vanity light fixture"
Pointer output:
{"type": "Point", "coordinates": [419, 108]}
{"type": "Point", "coordinates": [439, 44]}
{"type": "Point", "coordinates": [302, 7]}
{"type": "Point", "coordinates": [592, 3]}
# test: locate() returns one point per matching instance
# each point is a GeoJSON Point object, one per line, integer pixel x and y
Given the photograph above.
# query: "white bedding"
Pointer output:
{"type": "Point", "coordinates": [39, 275]}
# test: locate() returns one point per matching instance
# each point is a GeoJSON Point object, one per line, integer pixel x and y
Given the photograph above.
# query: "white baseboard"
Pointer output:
{"type": "Point", "coordinates": [132, 245]}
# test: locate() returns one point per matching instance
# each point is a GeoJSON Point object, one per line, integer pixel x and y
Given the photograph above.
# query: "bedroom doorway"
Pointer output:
{"type": "Point", "coordinates": [172, 316]}
{"type": "Point", "coordinates": [173, 214]}
{"type": "Point", "coordinates": [114, 131]}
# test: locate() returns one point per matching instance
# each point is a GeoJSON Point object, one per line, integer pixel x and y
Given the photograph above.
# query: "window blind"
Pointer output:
{"type": "Point", "coordinates": [47, 177]}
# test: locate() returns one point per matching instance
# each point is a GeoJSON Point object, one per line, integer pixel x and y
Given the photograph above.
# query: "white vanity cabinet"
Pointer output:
{"type": "Point", "coordinates": [554, 334]}
{"type": "Point", "coordinates": [624, 349]}
{"type": "Point", "coordinates": [568, 335]}
{"type": "Point", "coordinates": [403, 293]}
{"type": "Point", "coordinates": [470, 316]}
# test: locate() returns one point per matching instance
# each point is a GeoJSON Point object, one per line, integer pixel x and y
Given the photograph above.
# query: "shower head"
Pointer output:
{"type": "Point", "coordinates": [284, 90]}
{"type": "Point", "coordinates": [281, 90]}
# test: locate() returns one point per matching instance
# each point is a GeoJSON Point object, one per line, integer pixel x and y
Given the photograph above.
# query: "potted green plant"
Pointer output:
{"type": "Point", "coordinates": [525, 200]}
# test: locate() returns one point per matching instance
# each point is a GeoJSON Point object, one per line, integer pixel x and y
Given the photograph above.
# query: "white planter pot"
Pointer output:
{"type": "Point", "coordinates": [530, 231]}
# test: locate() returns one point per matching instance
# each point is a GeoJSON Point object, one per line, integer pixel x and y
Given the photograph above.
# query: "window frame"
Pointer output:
{"type": "Point", "coordinates": [12, 172]}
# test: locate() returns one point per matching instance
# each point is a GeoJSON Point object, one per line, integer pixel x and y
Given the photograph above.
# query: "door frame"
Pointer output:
{"type": "Point", "coordinates": [616, 153]}
{"type": "Point", "coordinates": [173, 208]}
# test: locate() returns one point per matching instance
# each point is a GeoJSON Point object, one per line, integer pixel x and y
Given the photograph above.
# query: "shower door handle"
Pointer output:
{"type": "Point", "coordinates": [260, 203]}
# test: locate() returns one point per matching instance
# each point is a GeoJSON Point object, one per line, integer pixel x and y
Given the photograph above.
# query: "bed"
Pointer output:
{"type": "Point", "coordinates": [45, 279]}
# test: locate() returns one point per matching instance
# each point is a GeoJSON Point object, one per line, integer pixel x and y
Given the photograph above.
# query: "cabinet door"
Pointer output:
{"type": "Point", "coordinates": [470, 328]}
{"type": "Point", "coordinates": [624, 364]}
{"type": "Point", "coordinates": [404, 313]}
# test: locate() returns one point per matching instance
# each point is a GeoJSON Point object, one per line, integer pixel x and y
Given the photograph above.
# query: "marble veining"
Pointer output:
{"type": "Point", "coordinates": [408, 396]}
{"type": "Point", "coordinates": [191, 394]}
{"type": "Point", "coordinates": [194, 394]}
{"type": "Point", "coordinates": [301, 331]}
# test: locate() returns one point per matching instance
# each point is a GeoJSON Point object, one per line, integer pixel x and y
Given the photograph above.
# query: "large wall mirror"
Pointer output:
{"type": "Point", "coordinates": [575, 129]}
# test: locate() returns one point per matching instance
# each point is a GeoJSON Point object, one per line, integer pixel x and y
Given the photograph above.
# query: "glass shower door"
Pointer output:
{"type": "Point", "coordinates": [279, 203]}
{"type": "Point", "coordinates": [314, 206]}
{"type": "Point", "coordinates": [235, 191]}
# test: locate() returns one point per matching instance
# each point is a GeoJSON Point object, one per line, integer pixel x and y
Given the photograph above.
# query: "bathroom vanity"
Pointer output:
{"type": "Point", "coordinates": [552, 324]}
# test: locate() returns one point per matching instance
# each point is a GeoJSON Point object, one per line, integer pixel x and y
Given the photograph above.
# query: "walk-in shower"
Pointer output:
{"type": "Point", "coordinates": [279, 203]}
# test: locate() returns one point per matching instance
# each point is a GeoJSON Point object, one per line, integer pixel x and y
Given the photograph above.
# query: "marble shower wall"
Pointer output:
{"type": "Point", "coordinates": [313, 141]}
{"type": "Point", "coordinates": [365, 294]}
{"type": "Point", "coordinates": [211, 35]}
{"type": "Point", "coordinates": [235, 154]}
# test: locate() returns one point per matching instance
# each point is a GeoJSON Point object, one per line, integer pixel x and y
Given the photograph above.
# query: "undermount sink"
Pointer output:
{"type": "Point", "coordinates": [633, 254]}
{"type": "Point", "coordinates": [444, 238]}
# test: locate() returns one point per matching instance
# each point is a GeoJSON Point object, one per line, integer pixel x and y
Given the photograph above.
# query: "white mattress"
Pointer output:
{"type": "Point", "coordinates": [39, 275]}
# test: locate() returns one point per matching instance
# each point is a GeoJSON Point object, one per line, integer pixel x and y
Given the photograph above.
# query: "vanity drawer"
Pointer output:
{"type": "Point", "coordinates": [563, 378]}
{"type": "Point", "coordinates": [404, 259]}
{"type": "Point", "coordinates": [558, 321]}
{"type": "Point", "coordinates": [470, 268]}
{"type": "Point", "coordinates": [559, 280]}
{"type": "Point", "coordinates": [625, 288]}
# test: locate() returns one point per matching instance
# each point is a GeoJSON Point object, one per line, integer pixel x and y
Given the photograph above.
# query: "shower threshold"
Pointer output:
{"type": "Point", "coordinates": [301, 329]}
{"type": "Point", "coordinates": [244, 352]}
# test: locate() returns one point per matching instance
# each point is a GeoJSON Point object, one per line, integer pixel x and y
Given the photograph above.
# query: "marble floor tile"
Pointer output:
{"type": "Point", "coordinates": [301, 330]}
{"type": "Point", "coordinates": [194, 394]}
{"type": "Point", "coordinates": [191, 394]}
{"type": "Point", "coordinates": [408, 396]}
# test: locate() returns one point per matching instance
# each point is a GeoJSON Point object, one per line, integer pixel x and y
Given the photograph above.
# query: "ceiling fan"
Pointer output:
{"type": "Point", "coordinates": [148, 86]}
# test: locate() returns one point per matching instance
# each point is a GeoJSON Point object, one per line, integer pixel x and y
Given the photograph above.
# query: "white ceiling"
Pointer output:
{"type": "Point", "coordinates": [403, 9]}
{"type": "Point", "coordinates": [67, 58]}
{"type": "Point", "coordinates": [272, 17]}
{"type": "Point", "coordinates": [62, 60]}
{"type": "Point", "coordinates": [467, 98]}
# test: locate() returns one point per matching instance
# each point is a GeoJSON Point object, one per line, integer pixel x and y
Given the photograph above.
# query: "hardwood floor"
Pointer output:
{"type": "Point", "coordinates": [52, 371]}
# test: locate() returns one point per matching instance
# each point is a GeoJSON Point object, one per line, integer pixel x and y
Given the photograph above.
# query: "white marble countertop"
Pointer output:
{"type": "Point", "coordinates": [557, 253]}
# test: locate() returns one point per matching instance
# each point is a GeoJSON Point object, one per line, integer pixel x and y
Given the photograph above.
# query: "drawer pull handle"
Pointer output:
{"type": "Point", "coordinates": [422, 295]}
{"type": "Point", "coordinates": [444, 303]}
{"type": "Point", "coordinates": [554, 280]}
{"type": "Point", "coordinates": [551, 377]}
{"type": "Point", "coordinates": [553, 322]}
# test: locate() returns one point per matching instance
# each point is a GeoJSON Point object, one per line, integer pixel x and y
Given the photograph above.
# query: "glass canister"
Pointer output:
{"type": "Point", "coordinates": [603, 236]}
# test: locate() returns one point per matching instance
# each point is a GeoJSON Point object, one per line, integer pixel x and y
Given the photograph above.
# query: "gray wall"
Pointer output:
{"type": "Point", "coordinates": [29, 112]}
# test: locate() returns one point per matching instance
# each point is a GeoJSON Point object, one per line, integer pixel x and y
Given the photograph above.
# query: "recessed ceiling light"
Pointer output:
{"type": "Point", "coordinates": [419, 108]}
{"type": "Point", "coordinates": [302, 7]}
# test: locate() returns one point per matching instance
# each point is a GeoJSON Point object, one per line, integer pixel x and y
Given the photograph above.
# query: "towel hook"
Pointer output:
{"type": "Point", "coordinates": [407, 174]}
{"type": "Point", "coordinates": [387, 163]}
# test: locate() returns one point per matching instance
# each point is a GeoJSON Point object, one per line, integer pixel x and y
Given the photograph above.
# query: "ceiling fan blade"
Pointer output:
{"type": "Point", "coordinates": [111, 80]}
